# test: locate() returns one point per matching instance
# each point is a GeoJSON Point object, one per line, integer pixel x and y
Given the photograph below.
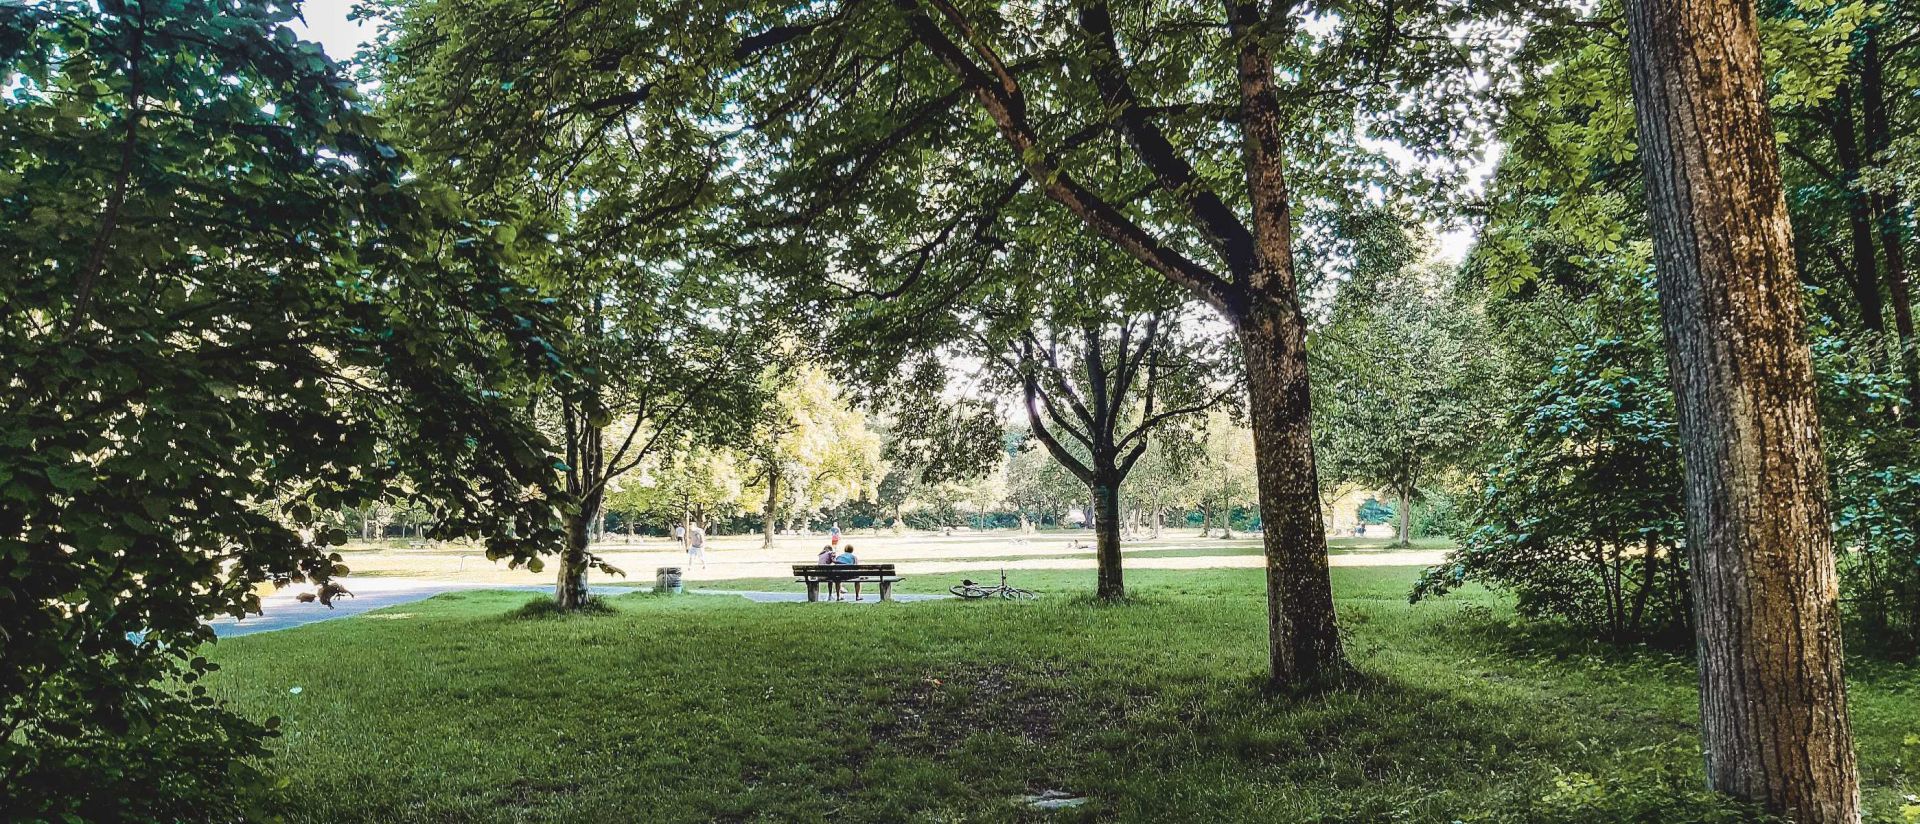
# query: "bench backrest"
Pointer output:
{"type": "Point", "coordinates": [841, 570]}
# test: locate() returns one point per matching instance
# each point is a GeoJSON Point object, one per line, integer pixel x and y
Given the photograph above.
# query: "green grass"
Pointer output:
{"type": "Point", "coordinates": [713, 708]}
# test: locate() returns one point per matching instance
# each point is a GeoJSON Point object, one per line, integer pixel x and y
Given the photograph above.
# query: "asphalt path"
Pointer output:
{"type": "Point", "coordinates": [283, 610]}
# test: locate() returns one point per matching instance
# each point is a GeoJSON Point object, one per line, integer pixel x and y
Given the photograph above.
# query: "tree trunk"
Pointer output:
{"type": "Point", "coordinates": [1878, 138]}
{"type": "Point", "coordinates": [1649, 578]}
{"type": "Point", "coordinates": [773, 504]}
{"type": "Point", "coordinates": [1303, 638]}
{"type": "Point", "coordinates": [1106, 499]}
{"type": "Point", "coordinates": [1403, 530]}
{"type": "Point", "coordinates": [1159, 520]}
{"type": "Point", "coordinates": [584, 456]}
{"type": "Point", "coordinates": [570, 590]}
{"type": "Point", "coordinates": [1865, 275]}
{"type": "Point", "coordinates": [1773, 702]}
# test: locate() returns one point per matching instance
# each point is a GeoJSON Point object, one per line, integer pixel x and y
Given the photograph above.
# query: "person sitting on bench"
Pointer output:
{"type": "Point", "coordinates": [826, 555]}
{"type": "Point", "coordinates": [839, 589]}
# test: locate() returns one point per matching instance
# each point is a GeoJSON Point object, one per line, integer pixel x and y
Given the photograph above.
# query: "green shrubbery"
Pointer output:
{"type": "Point", "coordinates": [1582, 517]}
{"type": "Point", "coordinates": [267, 319]}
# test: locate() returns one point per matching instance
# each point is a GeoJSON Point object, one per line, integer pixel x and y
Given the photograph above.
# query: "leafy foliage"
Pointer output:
{"type": "Point", "coordinates": [225, 310]}
{"type": "Point", "coordinates": [1400, 372]}
{"type": "Point", "coordinates": [1583, 519]}
{"type": "Point", "coordinates": [1566, 243]}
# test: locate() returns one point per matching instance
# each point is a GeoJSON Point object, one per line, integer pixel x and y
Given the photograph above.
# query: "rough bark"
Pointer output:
{"type": "Point", "coordinates": [1303, 638]}
{"type": "Point", "coordinates": [1773, 702]}
{"type": "Point", "coordinates": [1106, 536]}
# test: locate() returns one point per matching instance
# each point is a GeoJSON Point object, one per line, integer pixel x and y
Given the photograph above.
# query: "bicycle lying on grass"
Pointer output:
{"type": "Point", "coordinates": [970, 590]}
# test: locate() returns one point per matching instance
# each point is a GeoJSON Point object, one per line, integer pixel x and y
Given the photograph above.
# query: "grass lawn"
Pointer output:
{"type": "Point", "coordinates": [713, 708]}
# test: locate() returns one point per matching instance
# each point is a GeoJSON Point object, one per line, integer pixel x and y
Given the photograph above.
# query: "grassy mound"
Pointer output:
{"type": "Point", "coordinates": [544, 607]}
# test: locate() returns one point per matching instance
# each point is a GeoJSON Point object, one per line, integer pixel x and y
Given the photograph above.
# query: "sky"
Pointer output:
{"type": "Point", "coordinates": [325, 21]}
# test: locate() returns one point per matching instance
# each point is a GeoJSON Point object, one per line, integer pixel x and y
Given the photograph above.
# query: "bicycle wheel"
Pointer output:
{"type": "Point", "coordinates": [1017, 594]}
{"type": "Point", "coordinates": [968, 592]}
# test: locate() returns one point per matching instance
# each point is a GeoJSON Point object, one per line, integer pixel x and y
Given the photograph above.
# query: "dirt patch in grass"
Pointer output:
{"type": "Point", "coordinates": [938, 710]}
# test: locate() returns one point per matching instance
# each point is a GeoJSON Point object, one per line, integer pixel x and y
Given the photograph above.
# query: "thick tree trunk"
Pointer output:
{"type": "Point", "coordinates": [1106, 500]}
{"type": "Point", "coordinates": [1304, 640]}
{"type": "Point", "coordinates": [1773, 702]}
{"type": "Point", "coordinates": [1403, 534]}
{"type": "Point", "coordinates": [570, 590]}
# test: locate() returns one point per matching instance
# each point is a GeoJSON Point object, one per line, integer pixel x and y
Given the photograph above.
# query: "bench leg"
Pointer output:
{"type": "Point", "coordinates": [813, 591]}
{"type": "Point", "coordinates": [886, 590]}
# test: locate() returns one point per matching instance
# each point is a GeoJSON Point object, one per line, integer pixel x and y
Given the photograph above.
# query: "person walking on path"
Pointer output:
{"type": "Point", "coordinates": [834, 534]}
{"type": "Point", "coordinates": [697, 546]}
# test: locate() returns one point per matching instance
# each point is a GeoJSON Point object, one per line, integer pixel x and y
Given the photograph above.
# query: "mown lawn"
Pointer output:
{"type": "Point", "coordinates": [714, 708]}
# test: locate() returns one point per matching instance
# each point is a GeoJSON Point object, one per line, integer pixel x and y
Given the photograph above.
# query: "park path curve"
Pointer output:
{"type": "Point", "coordinates": [283, 610]}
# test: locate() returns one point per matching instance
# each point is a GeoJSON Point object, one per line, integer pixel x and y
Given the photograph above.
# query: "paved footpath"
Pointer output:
{"type": "Point", "coordinates": [282, 610]}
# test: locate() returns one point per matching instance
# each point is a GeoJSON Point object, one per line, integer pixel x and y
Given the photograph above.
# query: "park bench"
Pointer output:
{"type": "Point", "coordinates": [813, 575]}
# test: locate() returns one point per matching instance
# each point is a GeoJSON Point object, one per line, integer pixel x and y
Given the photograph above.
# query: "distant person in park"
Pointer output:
{"type": "Point", "coordinates": [827, 554]}
{"type": "Point", "coordinates": [846, 557]}
{"type": "Point", "coordinates": [697, 546]}
{"type": "Point", "coordinates": [834, 533]}
{"type": "Point", "coordinates": [680, 532]}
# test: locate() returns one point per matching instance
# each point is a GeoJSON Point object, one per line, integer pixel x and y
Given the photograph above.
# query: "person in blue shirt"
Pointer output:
{"type": "Point", "coordinates": [846, 557]}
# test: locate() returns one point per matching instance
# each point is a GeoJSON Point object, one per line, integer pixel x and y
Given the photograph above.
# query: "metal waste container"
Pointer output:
{"type": "Point", "coordinates": [666, 579]}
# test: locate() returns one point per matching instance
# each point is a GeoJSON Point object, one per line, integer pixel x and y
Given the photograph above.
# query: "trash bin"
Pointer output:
{"type": "Point", "coordinates": [666, 579]}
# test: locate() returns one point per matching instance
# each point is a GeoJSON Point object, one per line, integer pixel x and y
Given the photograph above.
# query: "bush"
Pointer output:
{"type": "Point", "coordinates": [1873, 457]}
{"type": "Point", "coordinates": [1582, 519]}
{"type": "Point", "coordinates": [1437, 516]}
